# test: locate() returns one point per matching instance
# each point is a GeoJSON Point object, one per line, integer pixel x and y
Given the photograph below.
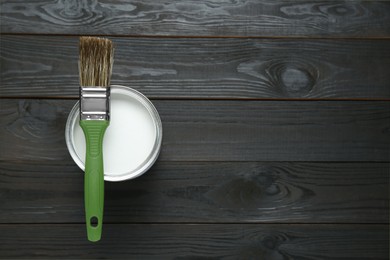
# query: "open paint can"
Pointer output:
{"type": "Point", "coordinates": [132, 141]}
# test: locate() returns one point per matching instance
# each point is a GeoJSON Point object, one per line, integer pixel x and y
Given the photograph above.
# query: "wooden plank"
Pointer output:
{"type": "Point", "coordinates": [300, 18]}
{"type": "Point", "coordinates": [37, 66]}
{"type": "Point", "coordinates": [197, 242]}
{"type": "Point", "coordinates": [219, 130]}
{"type": "Point", "coordinates": [202, 192]}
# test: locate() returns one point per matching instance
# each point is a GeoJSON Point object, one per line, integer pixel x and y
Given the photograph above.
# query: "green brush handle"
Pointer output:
{"type": "Point", "coordinates": [94, 176]}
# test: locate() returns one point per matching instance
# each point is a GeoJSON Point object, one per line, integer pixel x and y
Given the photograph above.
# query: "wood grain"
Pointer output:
{"type": "Point", "coordinates": [192, 18]}
{"type": "Point", "coordinates": [269, 242]}
{"type": "Point", "coordinates": [253, 165]}
{"type": "Point", "coordinates": [37, 66]}
{"type": "Point", "coordinates": [201, 192]}
{"type": "Point", "coordinates": [219, 130]}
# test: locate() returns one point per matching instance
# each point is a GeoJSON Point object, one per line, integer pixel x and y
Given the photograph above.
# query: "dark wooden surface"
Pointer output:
{"type": "Point", "coordinates": [300, 18]}
{"type": "Point", "coordinates": [205, 68]}
{"type": "Point", "coordinates": [276, 121]}
{"type": "Point", "coordinates": [219, 130]}
{"type": "Point", "coordinates": [202, 192]}
{"type": "Point", "coordinates": [173, 241]}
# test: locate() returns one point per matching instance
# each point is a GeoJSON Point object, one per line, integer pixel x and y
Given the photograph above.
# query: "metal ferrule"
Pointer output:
{"type": "Point", "coordinates": [94, 103]}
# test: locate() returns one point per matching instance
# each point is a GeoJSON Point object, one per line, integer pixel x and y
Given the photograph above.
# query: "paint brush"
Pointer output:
{"type": "Point", "coordinates": [95, 68]}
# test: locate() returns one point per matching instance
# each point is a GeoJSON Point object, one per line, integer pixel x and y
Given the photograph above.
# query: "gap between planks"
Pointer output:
{"type": "Point", "coordinates": [212, 99]}
{"type": "Point", "coordinates": [202, 223]}
{"type": "Point", "coordinates": [202, 37]}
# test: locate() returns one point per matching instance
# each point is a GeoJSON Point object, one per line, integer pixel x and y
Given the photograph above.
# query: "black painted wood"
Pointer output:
{"type": "Point", "coordinates": [219, 130]}
{"type": "Point", "coordinates": [37, 66]}
{"type": "Point", "coordinates": [300, 18]}
{"type": "Point", "coordinates": [202, 192]}
{"type": "Point", "coordinates": [238, 179]}
{"type": "Point", "coordinates": [197, 242]}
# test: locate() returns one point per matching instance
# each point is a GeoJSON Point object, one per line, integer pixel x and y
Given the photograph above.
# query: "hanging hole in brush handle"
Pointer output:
{"type": "Point", "coordinates": [94, 221]}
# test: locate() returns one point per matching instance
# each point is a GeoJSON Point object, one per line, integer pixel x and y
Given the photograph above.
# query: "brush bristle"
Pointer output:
{"type": "Point", "coordinates": [96, 59]}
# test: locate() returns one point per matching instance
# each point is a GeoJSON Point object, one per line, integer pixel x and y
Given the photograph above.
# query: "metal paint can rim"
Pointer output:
{"type": "Point", "coordinates": [73, 120]}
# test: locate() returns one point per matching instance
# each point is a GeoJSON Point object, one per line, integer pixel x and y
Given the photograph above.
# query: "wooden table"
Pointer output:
{"type": "Point", "coordinates": [276, 120]}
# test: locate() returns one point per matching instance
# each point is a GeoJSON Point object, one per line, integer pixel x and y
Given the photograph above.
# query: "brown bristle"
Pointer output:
{"type": "Point", "coordinates": [96, 59]}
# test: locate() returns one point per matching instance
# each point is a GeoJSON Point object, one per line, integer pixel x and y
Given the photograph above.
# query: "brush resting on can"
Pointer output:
{"type": "Point", "coordinates": [95, 67]}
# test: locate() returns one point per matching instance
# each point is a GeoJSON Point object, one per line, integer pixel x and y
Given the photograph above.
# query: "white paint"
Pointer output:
{"type": "Point", "coordinates": [130, 139]}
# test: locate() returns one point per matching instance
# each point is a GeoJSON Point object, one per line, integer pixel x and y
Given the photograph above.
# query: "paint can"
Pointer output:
{"type": "Point", "coordinates": [132, 141]}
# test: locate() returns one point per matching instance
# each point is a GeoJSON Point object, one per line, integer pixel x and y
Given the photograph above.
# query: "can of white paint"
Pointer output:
{"type": "Point", "coordinates": [132, 141]}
